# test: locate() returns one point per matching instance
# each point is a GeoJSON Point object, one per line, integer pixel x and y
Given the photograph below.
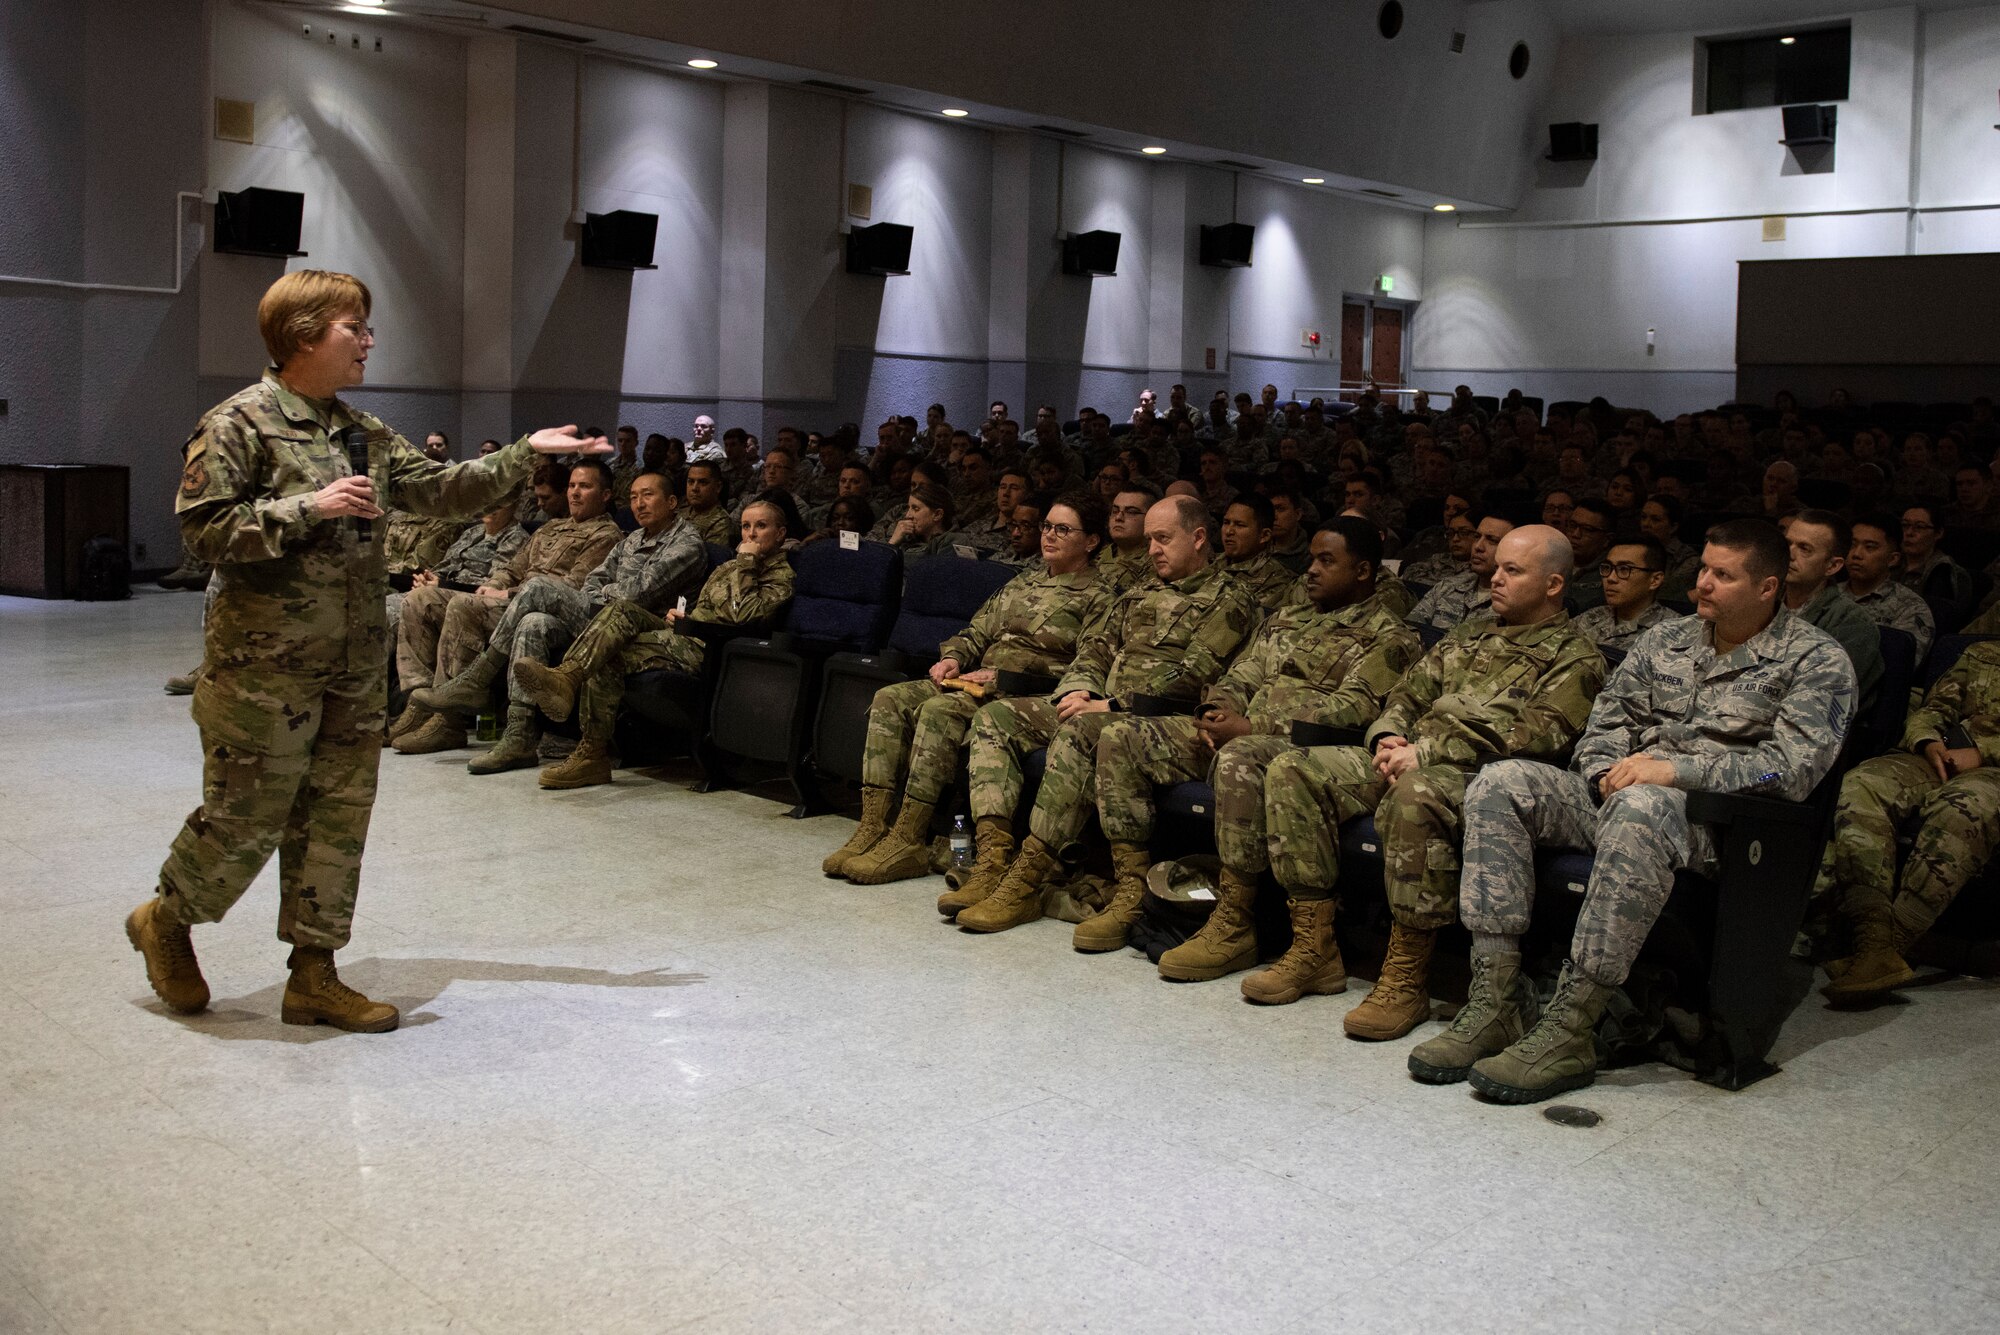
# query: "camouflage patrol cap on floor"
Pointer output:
{"type": "Point", "coordinates": [1191, 880]}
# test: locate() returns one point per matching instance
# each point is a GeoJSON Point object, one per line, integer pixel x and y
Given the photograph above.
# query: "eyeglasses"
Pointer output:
{"type": "Point", "coordinates": [359, 328]}
{"type": "Point", "coordinates": [1623, 569]}
{"type": "Point", "coordinates": [1060, 531]}
{"type": "Point", "coordinates": [1918, 527]}
{"type": "Point", "coordinates": [1129, 511]}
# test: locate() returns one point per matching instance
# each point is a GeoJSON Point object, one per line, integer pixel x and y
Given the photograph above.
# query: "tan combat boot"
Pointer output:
{"type": "Point", "coordinates": [436, 733]}
{"type": "Point", "coordinates": [169, 953]}
{"type": "Point", "coordinates": [182, 685]}
{"type": "Point", "coordinates": [407, 722]}
{"type": "Point", "coordinates": [1500, 1008]}
{"type": "Point", "coordinates": [993, 838]}
{"type": "Point", "coordinates": [1109, 928]}
{"type": "Point", "coordinates": [516, 748]}
{"type": "Point", "coordinates": [899, 855]}
{"type": "Point", "coordinates": [1226, 943]}
{"type": "Point", "coordinates": [1558, 1054]}
{"type": "Point", "coordinates": [585, 767]}
{"type": "Point", "coordinates": [467, 693]}
{"type": "Point", "coordinates": [1877, 965]}
{"type": "Point", "coordinates": [1017, 900]}
{"type": "Point", "coordinates": [874, 824]}
{"type": "Point", "coordinates": [314, 994]}
{"type": "Point", "coordinates": [549, 689]}
{"type": "Point", "coordinates": [1400, 999]}
{"type": "Point", "coordinates": [1313, 964]}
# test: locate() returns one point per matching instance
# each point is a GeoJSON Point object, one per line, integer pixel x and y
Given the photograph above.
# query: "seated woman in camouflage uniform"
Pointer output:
{"type": "Point", "coordinates": [915, 728]}
{"type": "Point", "coordinates": [625, 638]}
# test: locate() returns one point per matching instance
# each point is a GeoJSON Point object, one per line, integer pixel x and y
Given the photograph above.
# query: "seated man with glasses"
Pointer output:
{"type": "Point", "coordinates": [1451, 601]}
{"type": "Point", "coordinates": [1589, 529]}
{"type": "Point", "coordinates": [1632, 574]}
{"type": "Point", "coordinates": [1452, 549]}
{"type": "Point", "coordinates": [1024, 533]}
{"type": "Point", "coordinates": [1124, 558]}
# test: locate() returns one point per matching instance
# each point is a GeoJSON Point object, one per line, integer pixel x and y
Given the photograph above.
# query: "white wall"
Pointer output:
{"type": "Point", "coordinates": [1557, 299]}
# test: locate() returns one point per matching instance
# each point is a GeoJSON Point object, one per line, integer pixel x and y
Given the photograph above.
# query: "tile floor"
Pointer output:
{"type": "Point", "coordinates": [657, 1074]}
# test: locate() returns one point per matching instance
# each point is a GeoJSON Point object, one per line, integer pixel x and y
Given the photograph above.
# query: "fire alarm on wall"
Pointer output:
{"type": "Point", "coordinates": [1309, 338]}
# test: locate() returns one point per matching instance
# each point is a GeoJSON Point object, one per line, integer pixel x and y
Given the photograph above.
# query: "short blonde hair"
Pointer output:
{"type": "Point", "coordinates": [298, 308]}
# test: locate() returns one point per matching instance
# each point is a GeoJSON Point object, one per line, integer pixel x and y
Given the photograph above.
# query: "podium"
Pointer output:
{"type": "Point", "coordinates": [47, 513]}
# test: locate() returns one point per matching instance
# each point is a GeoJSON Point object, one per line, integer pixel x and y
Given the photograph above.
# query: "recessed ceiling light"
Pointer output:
{"type": "Point", "coordinates": [1786, 41]}
{"type": "Point", "coordinates": [701, 64]}
{"type": "Point", "coordinates": [1313, 180]}
{"type": "Point", "coordinates": [1444, 208]}
{"type": "Point", "coordinates": [364, 4]}
{"type": "Point", "coordinates": [956, 111]}
{"type": "Point", "coordinates": [1152, 150]}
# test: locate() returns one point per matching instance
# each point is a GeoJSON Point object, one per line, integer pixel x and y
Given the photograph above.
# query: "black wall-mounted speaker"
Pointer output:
{"type": "Point", "coordinates": [620, 239]}
{"type": "Point", "coordinates": [1093, 253]}
{"type": "Point", "coordinates": [1808, 124]}
{"type": "Point", "coordinates": [881, 250]}
{"type": "Point", "coordinates": [1573, 141]}
{"type": "Point", "coordinates": [1227, 246]}
{"type": "Point", "coordinates": [259, 222]}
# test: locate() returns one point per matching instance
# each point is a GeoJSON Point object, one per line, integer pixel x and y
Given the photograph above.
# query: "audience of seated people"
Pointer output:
{"type": "Point", "coordinates": [1193, 582]}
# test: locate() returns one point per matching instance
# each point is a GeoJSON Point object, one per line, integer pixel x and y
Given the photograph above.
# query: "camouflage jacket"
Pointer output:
{"type": "Point", "coordinates": [472, 558]}
{"type": "Point", "coordinates": [414, 543]}
{"type": "Point", "coordinates": [651, 572]}
{"type": "Point", "coordinates": [1893, 605]}
{"type": "Point", "coordinates": [1334, 668]}
{"type": "Point", "coordinates": [1271, 584]}
{"type": "Point", "coordinates": [1968, 695]}
{"type": "Point", "coordinates": [564, 549]}
{"type": "Point", "coordinates": [1769, 716]}
{"type": "Point", "coordinates": [1395, 594]}
{"type": "Point", "coordinates": [1032, 623]}
{"type": "Point", "coordinates": [622, 474]}
{"type": "Point", "coordinates": [294, 593]}
{"type": "Point", "coordinates": [1601, 626]}
{"type": "Point", "coordinates": [1488, 689]}
{"type": "Point", "coordinates": [1835, 613]}
{"type": "Point", "coordinates": [1453, 601]}
{"type": "Point", "coordinates": [716, 526]}
{"type": "Point", "coordinates": [1124, 569]}
{"type": "Point", "coordinates": [739, 592]}
{"type": "Point", "coordinates": [1164, 639]}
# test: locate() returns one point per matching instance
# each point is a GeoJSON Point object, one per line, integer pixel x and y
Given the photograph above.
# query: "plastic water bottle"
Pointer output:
{"type": "Point", "coordinates": [961, 843]}
{"type": "Point", "coordinates": [486, 727]}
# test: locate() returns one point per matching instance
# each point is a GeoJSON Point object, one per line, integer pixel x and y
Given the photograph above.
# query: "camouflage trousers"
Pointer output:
{"type": "Point", "coordinates": [440, 631]}
{"type": "Point", "coordinates": [914, 732]}
{"type": "Point", "coordinates": [1641, 836]}
{"type": "Point", "coordinates": [1957, 827]}
{"type": "Point", "coordinates": [539, 622]}
{"type": "Point", "coordinates": [1003, 733]}
{"type": "Point", "coordinates": [1310, 794]}
{"type": "Point", "coordinates": [1136, 755]}
{"type": "Point", "coordinates": [288, 764]}
{"type": "Point", "coordinates": [622, 639]}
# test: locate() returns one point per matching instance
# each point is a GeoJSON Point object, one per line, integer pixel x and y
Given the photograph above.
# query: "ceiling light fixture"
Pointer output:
{"type": "Point", "coordinates": [1152, 150]}
{"type": "Point", "coordinates": [956, 112]}
{"type": "Point", "coordinates": [1313, 180]}
{"type": "Point", "coordinates": [364, 4]}
{"type": "Point", "coordinates": [1444, 208]}
{"type": "Point", "coordinates": [701, 64]}
{"type": "Point", "coordinates": [1786, 41]}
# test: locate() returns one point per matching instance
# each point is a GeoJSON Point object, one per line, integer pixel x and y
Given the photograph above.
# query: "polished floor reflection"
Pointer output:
{"type": "Point", "coordinates": [657, 1074]}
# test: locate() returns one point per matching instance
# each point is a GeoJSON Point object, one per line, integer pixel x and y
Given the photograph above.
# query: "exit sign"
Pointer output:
{"type": "Point", "coordinates": [1387, 282]}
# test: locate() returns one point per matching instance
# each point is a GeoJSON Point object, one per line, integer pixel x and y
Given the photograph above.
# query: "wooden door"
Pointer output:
{"type": "Point", "coordinates": [1353, 337]}
{"type": "Point", "coordinates": [1385, 363]}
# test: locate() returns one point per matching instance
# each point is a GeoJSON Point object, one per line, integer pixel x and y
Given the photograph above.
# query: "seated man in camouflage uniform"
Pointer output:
{"type": "Point", "coordinates": [1245, 538]}
{"type": "Point", "coordinates": [1454, 601]}
{"type": "Point", "coordinates": [465, 565]}
{"type": "Point", "coordinates": [915, 728]}
{"type": "Point", "coordinates": [1517, 683]}
{"type": "Point", "coordinates": [1633, 573]}
{"type": "Point", "coordinates": [1874, 555]}
{"type": "Point", "coordinates": [702, 503]}
{"type": "Point", "coordinates": [1742, 697]}
{"type": "Point", "coordinates": [1944, 777]}
{"type": "Point", "coordinates": [1168, 636]}
{"type": "Point", "coordinates": [1820, 540]}
{"type": "Point", "coordinates": [626, 638]}
{"type": "Point", "coordinates": [1330, 661]}
{"type": "Point", "coordinates": [1125, 558]}
{"type": "Point", "coordinates": [1455, 536]}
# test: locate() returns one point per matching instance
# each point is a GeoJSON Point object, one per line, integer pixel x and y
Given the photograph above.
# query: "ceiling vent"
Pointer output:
{"type": "Point", "coordinates": [1458, 43]}
{"type": "Point", "coordinates": [1064, 131]}
{"type": "Point", "coordinates": [829, 86]}
{"type": "Point", "coordinates": [572, 38]}
{"type": "Point", "coordinates": [1386, 194]}
{"type": "Point", "coordinates": [1228, 165]}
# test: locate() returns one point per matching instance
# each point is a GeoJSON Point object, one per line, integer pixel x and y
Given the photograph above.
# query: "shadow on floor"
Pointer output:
{"type": "Point", "coordinates": [406, 984]}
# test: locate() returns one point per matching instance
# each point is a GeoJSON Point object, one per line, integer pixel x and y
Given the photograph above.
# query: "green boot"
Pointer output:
{"type": "Point", "coordinates": [1226, 943]}
{"type": "Point", "coordinates": [467, 693]}
{"type": "Point", "coordinates": [1108, 928]}
{"type": "Point", "coordinates": [516, 747]}
{"type": "Point", "coordinates": [1312, 965]}
{"type": "Point", "coordinates": [1500, 1008]}
{"type": "Point", "coordinates": [993, 838]}
{"type": "Point", "coordinates": [874, 824]}
{"type": "Point", "coordinates": [1018, 898]}
{"type": "Point", "coordinates": [1558, 1054]}
{"type": "Point", "coordinates": [902, 854]}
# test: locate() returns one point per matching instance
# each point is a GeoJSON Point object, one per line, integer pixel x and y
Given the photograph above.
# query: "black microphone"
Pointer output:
{"type": "Point", "coordinates": [356, 440]}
